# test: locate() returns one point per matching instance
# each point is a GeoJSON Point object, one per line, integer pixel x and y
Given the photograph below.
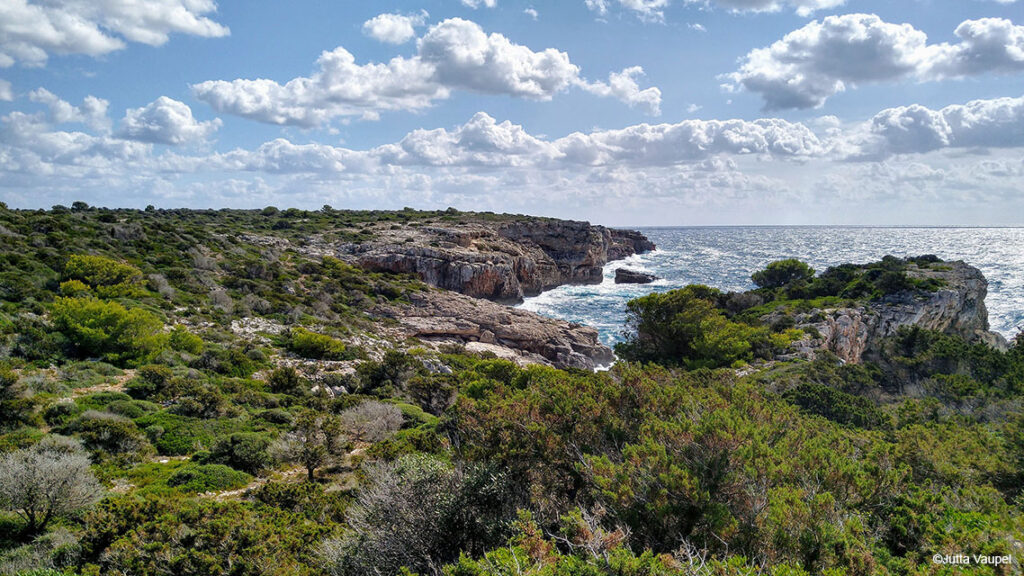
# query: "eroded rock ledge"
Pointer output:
{"type": "Point", "coordinates": [957, 308]}
{"type": "Point", "coordinates": [512, 333]}
{"type": "Point", "coordinates": [501, 261]}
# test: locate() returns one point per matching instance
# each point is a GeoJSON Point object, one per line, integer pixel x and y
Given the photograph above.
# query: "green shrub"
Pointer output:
{"type": "Point", "coordinates": [149, 381]}
{"type": "Point", "coordinates": [182, 340]}
{"type": "Point", "coordinates": [287, 381]}
{"type": "Point", "coordinates": [109, 278]}
{"type": "Point", "coordinates": [782, 273]}
{"type": "Point", "coordinates": [317, 346]}
{"type": "Point", "coordinates": [245, 451]}
{"type": "Point", "coordinates": [208, 478]}
{"type": "Point", "coordinates": [108, 329]}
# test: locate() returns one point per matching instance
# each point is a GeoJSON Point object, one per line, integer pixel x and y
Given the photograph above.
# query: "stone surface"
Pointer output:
{"type": "Point", "coordinates": [503, 261]}
{"type": "Point", "coordinates": [627, 276]}
{"type": "Point", "coordinates": [489, 326]}
{"type": "Point", "coordinates": [957, 308]}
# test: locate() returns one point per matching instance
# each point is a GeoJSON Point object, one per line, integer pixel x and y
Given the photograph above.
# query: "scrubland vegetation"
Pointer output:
{"type": "Point", "coordinates": [143, 432]}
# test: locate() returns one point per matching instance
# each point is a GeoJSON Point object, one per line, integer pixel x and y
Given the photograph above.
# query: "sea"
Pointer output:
{"type": "Point", "coordinates": [725, 257]}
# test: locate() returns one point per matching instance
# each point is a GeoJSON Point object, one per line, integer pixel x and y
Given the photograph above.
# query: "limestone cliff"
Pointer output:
{"type": "Point", "coordinates": [958, 307]}
{"type": "Point", "coordinates": [502, 261]}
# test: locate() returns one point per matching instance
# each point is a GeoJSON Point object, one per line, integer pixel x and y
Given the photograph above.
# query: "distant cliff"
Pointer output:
{"type": "Point", "coordinates": [957, 308]}
{"type": "Point", "coordinates": [502, 261]}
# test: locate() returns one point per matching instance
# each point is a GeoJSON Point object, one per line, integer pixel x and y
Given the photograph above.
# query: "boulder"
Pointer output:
{"type": "Point", "coordinates": [627, 276]}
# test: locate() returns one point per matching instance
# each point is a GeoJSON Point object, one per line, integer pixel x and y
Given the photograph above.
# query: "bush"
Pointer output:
{"type": "Point", "coordinates": [317, 346]}
{"type": "Point", "coordinates": [208, 478]}
{"type": "Point", "coordinates": [114, 435]}
{"type": "Point", "coordinates": [108, 329]}
{"type": "Point", "coordinates": [245, 451]}
{"type": "Point", "coordinates": [782, 273]}
{"type": "Point", "coordinates": [149, 381]}
{"type": "Point", "coordinates": [109, 278]}
{"type": "Point", "coordinates": [287, 381]}
{"type": "Point", "coordinates": [371, 421]}
{"type": "Point", "coordinates": [182, 340]}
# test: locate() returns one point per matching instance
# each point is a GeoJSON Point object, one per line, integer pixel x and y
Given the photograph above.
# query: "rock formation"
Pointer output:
{"type": "Point", "coordinates": [502, 261]}
{"type": "Point", "coordinates": [627, 276]}
{"type": "Point", "coordinates": [958, 307]}
{"type": "Point", "coordinates": [520, 335]}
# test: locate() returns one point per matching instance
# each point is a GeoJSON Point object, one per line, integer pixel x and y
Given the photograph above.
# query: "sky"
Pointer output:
{"type": "Point", "coordinates": [620, 112]}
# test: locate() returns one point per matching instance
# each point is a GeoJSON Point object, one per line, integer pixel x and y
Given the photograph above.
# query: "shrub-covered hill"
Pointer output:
{"type": "Point", "coordinates": [179, 396]}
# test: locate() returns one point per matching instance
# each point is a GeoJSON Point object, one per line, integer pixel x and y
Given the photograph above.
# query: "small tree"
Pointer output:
{"type": "Point", "coordinates": [372, 421]}
{"type": "Point", "coordinates": [50, 479]}
{"type": "Point", "coordinates": [315, 439]}
{"type": "Point", "coordinates": [781, 273]}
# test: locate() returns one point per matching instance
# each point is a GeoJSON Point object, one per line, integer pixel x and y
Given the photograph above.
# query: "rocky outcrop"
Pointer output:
{"type": "Point", "coordinates": [627, 276]}
{"type": "Point", "coordinates": [958, 308]}
{"type": "Point", "coordinates": [485, 326]}
{"type": "Point", "coordinates": [502, 261]}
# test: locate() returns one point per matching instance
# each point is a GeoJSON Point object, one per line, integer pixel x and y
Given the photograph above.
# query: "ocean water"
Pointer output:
{"type": "Point", "coordinates": [725, 257]}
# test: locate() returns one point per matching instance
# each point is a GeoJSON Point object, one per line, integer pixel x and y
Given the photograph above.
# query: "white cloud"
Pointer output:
{"type": "Point", "coordinates": [165, 121]}
{"type": "Point", "coordinates": [394, 28]}
{"type": "Point", "coordinates": [722, 169]}
{"type": "Point", "coordinates": [31, 31]}
{"type": "Point", "coordinates": [826, 57]}
{"type": "Point", "coordinates": [474, 4]}
{"type": "Point", "coordinates": [92, 112]}
{"type": "Point", "coordinates": [623, 86]}
{"type": "Point", "coordinates": [649, 10]}
{"type": "Point", "coordinates": [339, 87]}
{"type": "Point", "coordinates": [532, 13]}
{"type": "Point", "coordinates": [982, 124]}
{"type": "Point", "coordinates": [455, 54]}
{"type": "Point", "coordinates": [802, 7]}
{"type": "Point", "coordinates": [697, 27]}
{"type": "Point", "coordinates": [6, 94]}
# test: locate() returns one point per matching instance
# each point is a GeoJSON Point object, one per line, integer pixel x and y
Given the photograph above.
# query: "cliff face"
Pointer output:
{"type": "Point", "coordinates": [956, 308]}
{"type": "Point", "coordinates": [504, 261]}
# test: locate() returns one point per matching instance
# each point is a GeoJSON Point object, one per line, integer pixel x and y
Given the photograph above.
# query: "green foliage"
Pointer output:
{"type": "Point", "coordinates": [108, 278]}
{"type": "Point", "coordinates": [287, 381]}
{"type": "Point", "coordinates": [245, 451]}
{"type": "Point", "coordinates": [165, 534]}
{"type": "Point", "coordinates": [685, 327]}
{"type": "Point", "coordinates": [182, 340]}
{"type": "Point", "coordinates": [318, 346]}
{"type": "Point", "coordinates": [108, 329]}
{"type": "Point", "coordinates": [208, 478]}
{"type": "Point", "coordinates": [783, 273]}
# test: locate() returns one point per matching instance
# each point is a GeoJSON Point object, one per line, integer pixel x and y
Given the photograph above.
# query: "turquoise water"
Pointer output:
{"type": "Point", "coordinates": [725, 257]}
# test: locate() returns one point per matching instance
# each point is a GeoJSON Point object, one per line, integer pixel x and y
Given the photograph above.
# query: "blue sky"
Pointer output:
{"type": "Point", "coordinates": [639, 112]}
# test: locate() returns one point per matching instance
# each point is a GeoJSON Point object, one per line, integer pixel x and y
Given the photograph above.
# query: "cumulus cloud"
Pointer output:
{"type": "Point", "coordinates": [984, 124]}
{"type": "Point", "coordinates": [623, 86]}
{"type": "Point", "coordinates": [92, 112]}
{"type": "Point", "coordinates": [532, 13]}
{"type": "Point", "coordinates": [394, 28]}
{"type": "Point", "coordinates": [6, 94]}
{"type": "Point", "coordinates": [826, 57]}
{"type": "Point", "coordinates": [165, 121]}
{"type": "Point", "coordinates": [474, 4]}
{"type": "Point", "coordinates": [455, 54]}
{"type": "Point", "coordinates": [31, 31]}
